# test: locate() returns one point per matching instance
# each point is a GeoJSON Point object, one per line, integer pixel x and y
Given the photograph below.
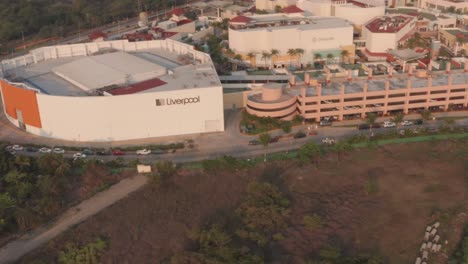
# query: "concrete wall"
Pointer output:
{"type": "Point", "coordinates": [379, 42]}
{"type": "Point", "coordinates": [85, 49]}
{"type": "Point", "coordinates": [358, 16]}
{"type": "Point", "coordinates": [109, 118]}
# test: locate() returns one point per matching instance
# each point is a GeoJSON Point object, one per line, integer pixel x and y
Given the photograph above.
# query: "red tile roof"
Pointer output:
{"type": "Point", "coordinates": [388, 24]}
{"type": "Point", "coordinates": [183, 22]}
{"type": "Point", "coordinates": [292, 9]}
{"type": "Point", "coordinates": [177, 11]}
{"type": "Point", "coordinates": [138, 87]}
{"type": "Point", "coordinates": [138, 36]}
{"type": "Point", "coordinates": [97, 34]}
{"type": "Point", "coordinates": [168, 34]}
{"type": "Point", "coordinates": [240, 19]}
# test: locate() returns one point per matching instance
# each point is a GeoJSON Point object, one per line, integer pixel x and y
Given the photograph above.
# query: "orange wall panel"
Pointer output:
{"type": "Point", "coordinates": [16, 98]}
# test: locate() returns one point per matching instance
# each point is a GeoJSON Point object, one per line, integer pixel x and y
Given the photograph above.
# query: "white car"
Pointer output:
{"type": "Point", "coordinates": [328, 141]}
{"type": "Point", "coordinates": [58, 151]}
{"type": "Point", "coordinates": [389, 124]}
{"type": "Point", "coordinates": [17, 148]}
{"type": "Point", "coordinates": [143, 152]}
{"type": "Point", "coordinates": [45, 150]}
{"type": "Point", "coordinates": [406, 123]}
{"type": "Point", "coordinates": [79, 155]}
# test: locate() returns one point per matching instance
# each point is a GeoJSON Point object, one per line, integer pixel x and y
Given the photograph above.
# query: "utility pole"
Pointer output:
{"type": "Point", "coordinates": [22, 37]}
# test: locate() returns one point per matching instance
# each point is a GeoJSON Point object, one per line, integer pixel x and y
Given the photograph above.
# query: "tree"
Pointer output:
{"type": "Point", "coordinates": [291, 53]}
{"type": "Point", "coordinates": [449, 122]}
{"type": "Point", "coordinates": [310, 151]}
{"type": "Point", "coordinates": [329, 57]}
{"type": "Point", "coordinates": [344, 54]}
{"type": "Point", "coordinates": [426, 114]}
{"type": "Point", "coordinates": [317, 57]}
{"type": "Point", "coordinates": [340, 148]}
{"type": "Point", "coordinates": [89, 253]}
{"type": "Point", "coordinates": [263, 213]}
{"type": "Point", "coordinates": [299, 53]}
{"type": "Point", "coordinates": [370, 119]}
{"type": "Point", "coordinates": [286, 126]}
{"type": "Point", "coordinates": [274, 54]}
{"type": "Point", "coordinates": [264, 139]}
{"type": "Point", "coordinates": [278, 9]}
{"type": "Point", "coordinates": [398, 118]}
{"type": "Point", "coordinates": [265, 57]}
{"type": "Point", "coordinates": [6, 203]}
{"type": "Point", "coordinates": [251, 56]}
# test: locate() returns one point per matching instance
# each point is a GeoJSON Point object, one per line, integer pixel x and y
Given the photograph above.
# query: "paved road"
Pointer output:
{"type": "Point", "coordinates": [27, 243]}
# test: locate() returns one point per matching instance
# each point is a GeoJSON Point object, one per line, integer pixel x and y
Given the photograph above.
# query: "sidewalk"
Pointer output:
{"type": "Point", "coordinates": [407, 117]}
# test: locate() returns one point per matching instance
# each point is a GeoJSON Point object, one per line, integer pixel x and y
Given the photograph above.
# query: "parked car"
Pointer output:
{"type": "Point", "coordinates": [17, 148]}
{"type": "Point", "coordinates": [325, 123]}
{"type": "Point", "coordinates": [274, 139]}
{"type": "Point", "coordinates": [143, 152]}
{"type": "Point", "coordinates": [157, 151]}
{"type": "Point", "coordinates": [87, 152]}
{"type": "Point", "coordinates": [58, 150]}
{"type": "Point", "coordinates": [254, 142]}
{"type": "Point", "coordinates": [117, 152]}
{"type": "Point", "coordinates": [300, 134]}
{"type": "Point", "coordinates": [328, 141]}
{"type": "Point", "coordinates": [418, 122]}
{"type": "Point", "coordinates": [45, 150]}
{"type": "Point", "coordinates": [406, 123]}
{"type": "Point", "coordinates": [363, 126]}
{"type": "Point", "coordinates": [103, 153]}
{"type": "Point", "coordinates": [79, 155]}
{"type": "Point", "coordinates": [8, 148]}
{"type": "Point", "coordinates": [389, 124]}
{"type": "Point", "coordinates": [31, 149]}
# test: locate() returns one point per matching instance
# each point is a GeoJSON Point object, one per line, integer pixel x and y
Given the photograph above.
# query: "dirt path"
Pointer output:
{"type": "Point", "coordinates": [16, 249]}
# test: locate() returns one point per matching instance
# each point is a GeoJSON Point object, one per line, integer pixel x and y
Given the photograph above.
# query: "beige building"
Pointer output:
{"type": "Point", "coordinates": [454, 38]}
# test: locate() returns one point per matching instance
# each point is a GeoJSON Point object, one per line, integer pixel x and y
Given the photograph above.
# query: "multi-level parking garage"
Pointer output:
{"type": "Point", "coordinates": [344, 99]}
{"type": "Point", "coordinates": [114, 90]}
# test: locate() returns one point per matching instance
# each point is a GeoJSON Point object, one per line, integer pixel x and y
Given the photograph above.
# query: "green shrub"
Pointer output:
{"type": "Point", "coordinates": [312, 222]}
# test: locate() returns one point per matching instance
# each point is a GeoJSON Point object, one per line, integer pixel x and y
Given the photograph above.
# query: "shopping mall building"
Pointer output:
{"type": "Point", "coordinates": [113, 90]}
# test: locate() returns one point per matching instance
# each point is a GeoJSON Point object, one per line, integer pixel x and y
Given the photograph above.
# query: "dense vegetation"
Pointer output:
{"type": "Point", "coordinates": [33, 190]}
{"type": "Point", "coordinates": [461, 254]}
{"type": "Point", "coordinates": [61, 17]}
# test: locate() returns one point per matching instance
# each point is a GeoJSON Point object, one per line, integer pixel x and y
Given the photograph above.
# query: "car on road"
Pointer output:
{"type": "Point", "coordinates": [117, 152]}
{"type": "Point", "coordinates": [143, 152]}
{"type": "Point", "coordinates": [254, 142]}
{"type": "Point", "coordinates": [389, 124]}
{"type": "Point", "coordinates": [45, 150]}
{"type": "Point", "coordinates": [158, 151]}
{"type": "Point", "coordinates": [367, 126]}
{"type": "Point", "coordinates": [17, 148]}
{"type": "Point", "coordinates": [58, 150]}
{"type": "Point", "coordinates": [87, 152]}
{"type": "Point", "coordinates": [274, 139]}
{"type": "Point", "coordinates": [103, 153]}
{"type": "Point", "coordinates": [300, 134]}
{"type": "Point", "coordinates": [328, 141]}
{"type": "Point", "coordinates": [325, 123]}
{"type": "Point", "coordinates": [31, 149]}
{"type": "Point", "coordinates": [79, 155]}
{"type": "Point", "coordinates": [406, 123]}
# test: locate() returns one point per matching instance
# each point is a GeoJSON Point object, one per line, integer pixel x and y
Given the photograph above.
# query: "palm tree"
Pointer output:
{"type": "Point", "coordinates": [264, 140]}
{"type": "Point", "coordinates": [426, 114]}
{"type": "Point", "coordinates": [265, 57]}
{"type": "Point", "coordinates": [299, 53]}
{"type": "Point", "coordinates": [398, 118]}
{"type": "Point", "coordinates": [329, 57]}
{"type": "Point", "coordinates": [344, 54]}
{"type": "Point", "coordinates": [251, 55]}
{"type": "Point", "coordinates": [370, 119]}
{"type": "Point", "coordinates": [317, 56]}
{"type": "Point", "coordinates": [291, 53]}
{"type": "Point", "coordinates": [274, 54]}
